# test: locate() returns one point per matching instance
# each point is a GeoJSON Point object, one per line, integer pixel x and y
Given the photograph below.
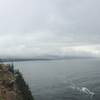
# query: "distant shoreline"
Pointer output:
{"type": "Point", "coordinates": [46, 59]}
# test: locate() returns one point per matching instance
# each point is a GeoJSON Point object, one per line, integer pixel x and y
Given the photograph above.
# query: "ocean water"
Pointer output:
{"type": "Point", "coordinates": [77, 79]}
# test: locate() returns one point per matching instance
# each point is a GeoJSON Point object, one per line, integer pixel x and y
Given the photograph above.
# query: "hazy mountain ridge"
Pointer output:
{"type": "Point", "coordinates": [46, 57]}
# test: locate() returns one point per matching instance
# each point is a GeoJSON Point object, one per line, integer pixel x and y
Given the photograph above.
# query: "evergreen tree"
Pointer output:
{"type": "Point", "coordinates": [23, 87]}
{"type": "Point", "coordinates": [11, 69]}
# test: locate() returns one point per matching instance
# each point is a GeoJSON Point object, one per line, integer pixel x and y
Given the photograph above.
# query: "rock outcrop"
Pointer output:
{"type": "Point", "coordinates": [13, 85]}
{"type": "Point", "coordinates": [7, 83]}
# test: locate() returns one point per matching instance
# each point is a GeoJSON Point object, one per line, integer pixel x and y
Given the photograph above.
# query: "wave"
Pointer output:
{"type": "Point", "coordinates": [83, 90]}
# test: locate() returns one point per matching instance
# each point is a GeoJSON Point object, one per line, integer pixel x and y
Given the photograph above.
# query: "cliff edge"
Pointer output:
{"type": "Point", "coordinates": [12, 84]}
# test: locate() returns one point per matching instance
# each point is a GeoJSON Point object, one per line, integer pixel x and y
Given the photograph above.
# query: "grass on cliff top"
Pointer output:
{"type": "Point", "coordinates": [1, 98]}
{"type": "Point", "coordinates": [4, 76]}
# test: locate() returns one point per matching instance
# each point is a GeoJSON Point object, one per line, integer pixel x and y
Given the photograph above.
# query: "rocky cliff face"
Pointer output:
{"type": "Point", "coordinates": [10, 85]}
{"type": "Point", "coordinates": [7, 83]}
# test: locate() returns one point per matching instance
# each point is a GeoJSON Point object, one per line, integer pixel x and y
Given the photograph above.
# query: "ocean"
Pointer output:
{"type": "Point", "coordinates": [74, 79]}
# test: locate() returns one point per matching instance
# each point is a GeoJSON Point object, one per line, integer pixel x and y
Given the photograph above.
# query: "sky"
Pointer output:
{"type": "Point", "coordinates": [30, 28]}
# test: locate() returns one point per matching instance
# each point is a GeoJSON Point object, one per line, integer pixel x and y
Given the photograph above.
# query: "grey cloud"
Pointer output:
{"type": "Point", "coordinates": [47, 26]}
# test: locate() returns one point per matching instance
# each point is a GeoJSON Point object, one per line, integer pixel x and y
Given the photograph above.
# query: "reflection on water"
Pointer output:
{"type": "Point", "coordinates": [63, 80]}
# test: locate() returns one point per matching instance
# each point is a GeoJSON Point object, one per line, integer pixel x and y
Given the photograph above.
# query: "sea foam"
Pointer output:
{"type": "Point", "coordinates": [83, 90]}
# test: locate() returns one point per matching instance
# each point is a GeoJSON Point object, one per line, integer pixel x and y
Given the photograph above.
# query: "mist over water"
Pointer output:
{"type": "Point", "coordinates": [63, 79]}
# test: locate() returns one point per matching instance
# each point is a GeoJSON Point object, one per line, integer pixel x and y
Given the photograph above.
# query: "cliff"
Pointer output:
{"type": "Point", "coordinates": [12, 84]}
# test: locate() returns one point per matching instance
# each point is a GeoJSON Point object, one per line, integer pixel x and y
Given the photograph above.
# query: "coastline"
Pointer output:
{"type": "Point", "coordinates": [13, 85]}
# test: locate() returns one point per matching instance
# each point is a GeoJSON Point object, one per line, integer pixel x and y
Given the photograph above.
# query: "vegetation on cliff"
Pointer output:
{"type": "Point", "coordinates": [23, 87]}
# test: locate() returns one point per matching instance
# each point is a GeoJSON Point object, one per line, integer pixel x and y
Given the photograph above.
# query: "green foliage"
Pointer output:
{"type": "Point", "coordinates": [23, 87]}
{"type": "Point", "coordinates": [11, 69]}
{"type": "Point", "coordinates": [1, 76]}
{"type": "Point", "coordinates": [1, 98]}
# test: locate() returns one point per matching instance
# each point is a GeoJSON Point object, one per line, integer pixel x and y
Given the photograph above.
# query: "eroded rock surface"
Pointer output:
{"type": "Point", "coordinates": [8, 89]}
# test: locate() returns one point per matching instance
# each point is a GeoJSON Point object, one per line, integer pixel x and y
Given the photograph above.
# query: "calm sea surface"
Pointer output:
{"type": "Point", "coordinates": [62, 79]}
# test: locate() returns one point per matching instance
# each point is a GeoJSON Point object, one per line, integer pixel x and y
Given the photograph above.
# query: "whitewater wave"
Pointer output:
{"type": "Point", "coordinates": [84, 90]}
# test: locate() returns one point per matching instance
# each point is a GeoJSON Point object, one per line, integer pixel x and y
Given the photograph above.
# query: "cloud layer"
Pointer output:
{"type": "Point", "coordinates": [31, 28]}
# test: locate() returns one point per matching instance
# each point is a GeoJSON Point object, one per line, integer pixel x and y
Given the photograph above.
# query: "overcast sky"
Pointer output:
{"type": "Point", "coordinates": [30, 28]}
